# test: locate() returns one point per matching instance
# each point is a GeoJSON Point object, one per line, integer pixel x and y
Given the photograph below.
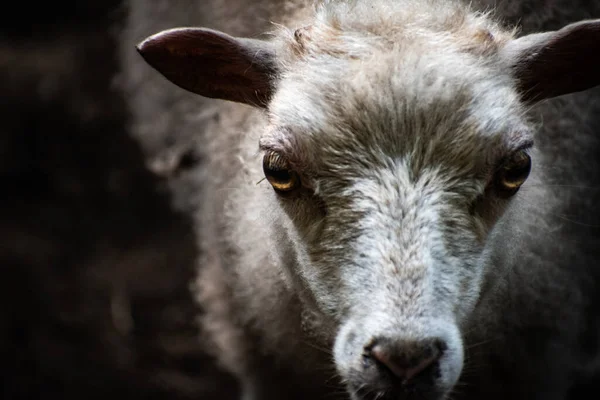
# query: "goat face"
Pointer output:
{"type": "Point", "coordinates": [389, 174]}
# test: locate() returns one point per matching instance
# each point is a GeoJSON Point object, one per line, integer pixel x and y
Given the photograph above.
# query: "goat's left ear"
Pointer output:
{"type": "Point", "coordinates": [551, 64]}
{"type": "Point", "coordinates": [213, 64]}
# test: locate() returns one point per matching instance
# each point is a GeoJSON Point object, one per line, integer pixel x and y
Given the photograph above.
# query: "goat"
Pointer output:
{"type": "Point", "coordinates": [373, 208]}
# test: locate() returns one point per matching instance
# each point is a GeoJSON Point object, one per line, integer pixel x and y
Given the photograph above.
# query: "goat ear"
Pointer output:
{"type": "Point", "coordinates": [213, 64]}
{"type": "Point", "coordinates": [551, 64]}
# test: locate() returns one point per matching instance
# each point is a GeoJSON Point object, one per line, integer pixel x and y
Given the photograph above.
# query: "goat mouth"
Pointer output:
{"type": "Point", "coordinates": [362, 392]}
{"type": "Point", "coordinates": [392, 388]}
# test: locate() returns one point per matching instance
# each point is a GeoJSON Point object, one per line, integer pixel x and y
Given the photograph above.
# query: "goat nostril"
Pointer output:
{"type": "Point", "coordinates": [408, 362]}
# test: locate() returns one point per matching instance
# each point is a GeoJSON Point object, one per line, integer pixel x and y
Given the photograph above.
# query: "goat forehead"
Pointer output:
{"type": "Point", "coordinates": [436, 107]}
{"type": "Point", "coordinates": [348, 26]}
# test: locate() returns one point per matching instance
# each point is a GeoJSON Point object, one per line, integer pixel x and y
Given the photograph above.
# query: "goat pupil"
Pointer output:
{"type": "Point", "coordinates": [519, 171]}
{"type": "Point", "coordinates": [279, 175]}
{"type": "Point", "coordinates": [277, 171]}
{"type": "Point", "coordinates": [515, 175]}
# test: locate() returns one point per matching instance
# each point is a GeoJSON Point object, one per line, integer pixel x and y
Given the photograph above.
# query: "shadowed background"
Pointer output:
{"type": "Point", "coordinates": [94, 296]}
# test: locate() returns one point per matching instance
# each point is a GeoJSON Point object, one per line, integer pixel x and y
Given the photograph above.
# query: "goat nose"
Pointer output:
{"type": "Point", "coordinates": [406, 360]}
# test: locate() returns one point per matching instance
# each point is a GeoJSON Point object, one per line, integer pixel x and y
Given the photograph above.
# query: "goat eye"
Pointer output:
{"type": "Point", "coordinates": [513, 174]}
{"type": "Point", "coordinates": [279, 174]}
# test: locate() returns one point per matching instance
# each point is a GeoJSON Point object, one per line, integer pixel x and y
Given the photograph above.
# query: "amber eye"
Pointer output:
{"type": "Point", "coordinates": [513, 173]}
{"type": "Point", "coordinates": [279, 174]}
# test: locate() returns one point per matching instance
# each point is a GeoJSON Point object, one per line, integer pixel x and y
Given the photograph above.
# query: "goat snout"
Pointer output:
{"type": "Point", "coordinates": [400, 368]}
{"type": "Point", "coordinates": [406, 361]}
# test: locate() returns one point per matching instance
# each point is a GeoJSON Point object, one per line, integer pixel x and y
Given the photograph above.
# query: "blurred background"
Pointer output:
{"type": "Point", "coordinates": [95, 264]}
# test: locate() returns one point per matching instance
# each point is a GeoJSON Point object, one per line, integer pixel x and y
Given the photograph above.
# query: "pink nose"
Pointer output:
{"type": "Point", "coordinates": [407, 359]}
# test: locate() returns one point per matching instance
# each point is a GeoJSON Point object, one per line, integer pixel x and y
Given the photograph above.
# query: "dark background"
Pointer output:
{"type": "Point", "coordinates": [95, 265]}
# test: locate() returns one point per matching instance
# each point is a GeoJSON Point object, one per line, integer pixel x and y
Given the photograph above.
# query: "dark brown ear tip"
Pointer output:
{"type": "Point", "coordinates": [144, 46]}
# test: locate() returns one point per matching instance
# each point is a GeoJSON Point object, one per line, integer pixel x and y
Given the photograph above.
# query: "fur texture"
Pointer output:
{"type": "Point", "coordinates": [395, 115]}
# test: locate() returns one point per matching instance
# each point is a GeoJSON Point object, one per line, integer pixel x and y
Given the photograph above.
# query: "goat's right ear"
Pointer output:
{"type": "Point", "coordinates": [213, 64]}
{"type": "Point", "coordinates": [551, 64]}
